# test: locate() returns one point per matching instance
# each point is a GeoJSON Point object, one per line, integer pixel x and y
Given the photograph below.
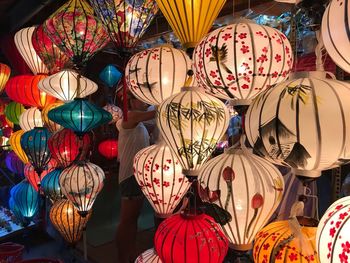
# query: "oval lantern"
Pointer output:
{"type": "Point", "coordinates": [76, 31]}
{"type": "Point", "coordinates": [50, 185]}
{"type": "Point", "coordinates": [50, 125]}
{"type": "Point", "coordinates": [286, 241]}
{"type": "Point", "coordinates": [192, 238]}
{"type": "Point", "coordinates": [155, 74]}
{"type": "Point", "coordinates": [14, 163]}
{"type": "Point", "coordinates": [108, 148]}
{"type": "Point", "coordinates": [26, 199]}
{"type": "Point", "coordinates": [81, 183]}
{"type": "Point", "coordinates": [15, 143]}
{"type": "Point", "coordinates": [190, 20]}
{"type": "Point", "coordinates": [246, 186]}
{"type": "Point", "coordinates": [13, 110]}
{"type": "Point", "coordinates": [159, 174]}
{"type": "Point", "coordinates": [66, 219]}
{"type": "Point", "coordinates": [66, 147]}
{"type": "Point", "coordinates": [14, 209]}
{"type": "Point", "coordinates": [293, 124]}
{"type": "Point", "coordinates": [5, 73]}
{"type": "Point", "coordinates": [30, 119]}
{"type": "Point", "coordinates": [64, 85]}
{"type": "Point", "coordinates": [24, 44]}
{"type": "Point", "coordinates": [332, 239]}
{"type": "Point", "coordinates": [34, 178]}
{"type": "Point", "coordinates": [126, 21]}
{"type": "Point", "coordinates": [149, 256]}
{"type": "Point", "coordinates": [110, 75]}
{"type": "Point", "coordinates": [115, 111]}
{"type": "Point", "coordinates": [191, 123]}
{"type": "Point", "coordinates": [241, 60]}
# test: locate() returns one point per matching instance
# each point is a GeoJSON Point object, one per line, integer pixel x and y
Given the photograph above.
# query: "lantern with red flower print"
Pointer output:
{"type": "Point", "coordinates": [33, 177]}
{"type": "Point", "coordinates": [109, 148]}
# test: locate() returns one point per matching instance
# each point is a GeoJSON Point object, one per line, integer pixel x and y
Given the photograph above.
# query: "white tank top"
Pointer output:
{"type": "Point", "coordinates": [130, 141]}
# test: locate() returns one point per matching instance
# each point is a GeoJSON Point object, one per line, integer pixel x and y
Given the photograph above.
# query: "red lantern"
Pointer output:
{"type": "Point", "coordinates": [33, 177]}
{"type": "Point", "coordinates": [190, 238]}
{"type": "Point", "coordinates": [24, 89]}
{"type": "Point", "coordinates": [109, 148]}
{"type": "Point", "coordinates": [65, 147]}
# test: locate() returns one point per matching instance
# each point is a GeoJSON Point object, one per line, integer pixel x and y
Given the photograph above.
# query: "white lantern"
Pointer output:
{"type": "Point", "coordinates": [241, 60]}
{"type": "Point", "coordinates": [332, 238]}
{"type": "Point", "coordinates": [302, 123]}
{"type": "Point", "coordinates": [191, 123]}
{"type": "Point", "coordinates": [30, 119]}
{"type": "Point", "coordinates": [64, 84]}
{"type": "Point", "coordinates": [335, 33]}
{"type": "Point", "coordinates": [81, 183]}
{"type": "Point", "coordinates": [116, 112]}
{"type": "Point", "coordinates": [155, 74]}
{"type": "Point", "coordinates": [245, 185]}
{"type": "Point", "coordinates": [23, 41]}
{"type": "Point", "coordinates": [159, 174]}
{"type": "Point", "coordinates": [149, 256]}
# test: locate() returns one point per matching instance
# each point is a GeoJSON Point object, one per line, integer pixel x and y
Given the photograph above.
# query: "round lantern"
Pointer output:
{"type": "Point", "coordinates": [109, 148]}
{"type": "Point", "coordinates": [50, 125]}
{"type": "Point", "coordinates": [155, 74]}
{"type": "Point", "coordinates": [190, 20]}
{"type": "Point", "coordinates": [76, 31]}
{"type": "Point", "coordinates": [15, 143]}
{"type": "Point", "coordinates": [159, 174]}
{"type": "Point", "coordinates": [294, 124]}
{"type": "Point", "coordinates": [30, 119]}
{"type": "Point", "coordinates": [34, 178]}
{"type": "Point", "coordinates": [80, 115]}
{"type": "Point", "coordinates": [5, 73]}
{"type": "Point", "coordinates": [332, 239]}
{"type": "Point", "coordinates": [241, 60]}
{"type": "Point", "coordinates": [149, 256]}
{"type": "Point", "coordinates": [13, 110]}
{"type": "Point", "coordinates": [191, 123]}
{"type": "Point", "coordinates": [192, 238]}
{"type": "Point", "coordinates": [245, 185]}
{"type": "Point", "coordinates": [26, 199]}
{"type": "Point", "coordinates": [14, 209]}
{"type": "Point", "coordinates": [125, 20]}
{"type": "Point", "coordinates": [64, 85]}
{"type": "Point", "coordinates": [116, 112]}
{"type": "Point", "coordinates": [14, 163]}
{"type": "Point", "coordinates": [286, 241]}
{"type": "Point", "coordinates": [81, 183]}
{"type": "Point", "coordinates": [24, 44]}
{"type": "Point", "coordinates": [66, 219]}
{"type": "Point", "coordinates": [50, 185]}
{"type": "Point", "coordinates": [110, 75]}
{"type": "Point", "coordinates": [66, 147]}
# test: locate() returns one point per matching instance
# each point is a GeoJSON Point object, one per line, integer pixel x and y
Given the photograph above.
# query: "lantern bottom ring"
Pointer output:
{"type": "Point", "coordinates": [162, 215]}
{"type": "Point", "coordinates": [190, 173]}
{"type": "Point", "coordinates": [241, 247]}
{"type": "Point", "coordinates": [307, 173]}
{"type": "Point", "coordinates": [83, 213]}
{"type": "Point", "coordinates": [239, 102]}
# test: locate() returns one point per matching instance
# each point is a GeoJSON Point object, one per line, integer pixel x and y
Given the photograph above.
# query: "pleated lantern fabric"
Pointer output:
{"type": "Point", "coordinates": [5, 73]}
{"type": "Point", "coordinates": [149, 256]}
{"type": "Point", "coordinates": [80, 115]}
{"type": "Point", "coordinates": [108, 148]}
{"type": "Point", "coordinates": [26, 199]}
{"type": "Point", "coordinates": [15, 143]}
{"type": "Point", "coordinates": [32, 175]}
{"type": "Point", "coordinates": [50, 185]}
{"type": "Point", "coordinates": [13, 110]}
{"type": "Point", "coordinates": [126, 21]}
{"type": "Point", "coordinates": [190, 20]}
{"type": "Point", "coordinates": [193, 238]}
{"type": "Point", "coordinates": [115, 111]}
{"type": "Point", "coordinates": [14, 209]}
{"type": "Point", "coordinates": [294, 124]}
{"type": "Point", "coordinates": [110, 75]}
{"type": "Point", "coordinates": [50, 125]}
{"type": "Point", "coordinates": [14, 163]}
{"type": "Point", "coordinates": [155, 74]}
{"type": "Point", "coordinates": [66, 219]}
{"type": "Point", "coordinates": [30, 119]}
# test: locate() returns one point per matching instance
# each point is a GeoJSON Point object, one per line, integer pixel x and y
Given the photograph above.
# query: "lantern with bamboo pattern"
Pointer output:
{"type": "Point", "coordinates": [5, 73]}
{"type": "Point", "coordinates": [34, 178]}
{"type": "Point", "coordinates": [30, 119]}
{"type": "Point", "coordinates": [149, 256]}
{"type": "Point", "coordinates": [13, 110]}
{"type": "Point", "coordinates": [15, 143]}
{"type": "Point", "coordinates": [50, 185]}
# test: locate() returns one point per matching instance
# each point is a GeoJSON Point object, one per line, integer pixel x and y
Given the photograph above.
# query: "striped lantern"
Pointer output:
{"type": "Point", "coordinates": [13, 110]}
{"type": "Point", "coordinates": [50, 125]}
{"type": "Point", "coordinates": [15, 143]}
{"type": "Point", "coordinates": [332, 239]}
{"type": "Point", "coordinates": [247, 186]}
{"type": "Point", "coordinates": [30, 119]}
{"type": "Point", "coordinates": [159, 174]}
{"type": "Point", "coordinates": [50, 185]}
{"type": "Point", "coordinates": [155, 74]}
{"type": "Point", "coordinates": [5, 73]}
{"type": "Point", "coordinates": [149, 256]}
{"type": "Point", "coordinates": [294, 124]}
{"type": "Point", "coordinates": [34, 178]}
{"type": "Point", "coordinates": [240, 60]}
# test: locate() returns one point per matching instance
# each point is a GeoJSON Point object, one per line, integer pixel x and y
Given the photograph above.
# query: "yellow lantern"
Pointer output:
{"type": "Point", "coordinates": [190, 20]}
{"type": "Point", "coordinates": [52, 126]}
{"type": "Point", "coordinates": [15, 142]}
{"type": "Point", "coordinates": [5, 73]}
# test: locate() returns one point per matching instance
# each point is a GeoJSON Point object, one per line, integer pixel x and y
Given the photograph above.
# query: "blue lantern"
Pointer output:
{"type": "Point", "coordinates": [15, 211]}
{"type": "Point", "coordinates": [14, 164]}
{"type": "Point", "coordinates": [51, 186]}
{"type": "Point", "coordinates": [110, 75]}
{"type": "Point", "coordinates": [25, 199]}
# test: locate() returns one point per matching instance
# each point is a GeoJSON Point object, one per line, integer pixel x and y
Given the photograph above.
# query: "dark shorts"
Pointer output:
{"type": "Point", "coordinates": [129, 188]}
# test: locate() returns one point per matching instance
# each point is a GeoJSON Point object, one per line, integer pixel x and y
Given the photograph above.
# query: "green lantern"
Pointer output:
{"type": "Point", "coordinates": [13, 110]}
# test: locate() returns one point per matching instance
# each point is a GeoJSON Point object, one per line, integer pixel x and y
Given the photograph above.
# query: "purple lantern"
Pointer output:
{"type": "Point", "coordinates": [14, 164]}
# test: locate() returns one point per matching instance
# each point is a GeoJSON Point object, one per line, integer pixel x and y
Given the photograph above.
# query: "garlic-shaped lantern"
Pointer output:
{"type": "Point", "coordinates": [30, 119]}
{"type": "Point", "coordinates": [149, 256]}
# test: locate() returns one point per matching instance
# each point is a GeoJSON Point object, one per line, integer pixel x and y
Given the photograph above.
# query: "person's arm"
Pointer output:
{"type": "Point", "coordinates": [135, 117]}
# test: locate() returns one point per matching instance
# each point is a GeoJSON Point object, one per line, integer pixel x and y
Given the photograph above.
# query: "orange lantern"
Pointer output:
{"type": "Point", "coordinates": [52, 126]}
{"type": "Point", "coordinates": [15, 142]}
{"type": "Point", "coordinates": [5, 72]}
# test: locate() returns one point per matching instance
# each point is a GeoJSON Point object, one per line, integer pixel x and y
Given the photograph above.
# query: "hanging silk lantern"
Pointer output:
{"type": "Point", "coordinates": [149, 256]}
{"type": "Point", "coordinates": [14, 163]}
{"type": "Point", "coordinates": [117, 113]}
{"type": "Point", "coordinates": [286, 241]}
{"type": "Point", "coordinates": [50, 125]}
{"type": "Point", "coordinates": [125, 20]}
{"type": "Point", "coordinates": [293, 124]}
{"type": "Point", "coordinates": [5, 73]}
{"type": "Point", "coordinates": [15, 143]}
{"type": "Point", "coordinates": [32, 175]}
{"type": "Point", "coordinates": [80, 115]}
{"type": "Point", "coordinates": [192, 238]}
{"type": "Point", "coordinates": [53, 58]}
{"type": "Point", "coordinates": [64, 84]}
{"type": "Point", "coordinates": [110, 75]}
{"type": "Point", "coordinates": [190, 20]}
{"type": "Point", "coordinates": [191, 123]}
{"type": "Point", "coordinates": [14, 209]}
{"type": "Point", "coordinates": [81, 183]}
{"type": "Point", "coordinates": [241, 60]}
{"type": "Point", "coordinates": [108, 148]}
{"type": "Point", "coordinates": [247, 186]}
{"type": "Point", "coordinates": [332, 239]}
{"type": "Point", "coordinates": [50, 185]}
{"type": "Point", "coordinates": [24, 89]}
{"type": "Point", "coordinates": [66, 147]}
{"type": "Point", "coordinates": [159, 174]}
{"type": "Point", "coordinates": [30, 119]}
{"type": "Point", "coordinates": [26, 199]}
{"type": "Point", "coordinates": [76, 31]}
{"type": "Point", "coordinates": [155, 74]}
{"type": "Point", "coordinates": [13, 110]}
{"type": "Point", "coordinates": [24, 44]}
{"type": "Point", "coordinates": [66, 219]}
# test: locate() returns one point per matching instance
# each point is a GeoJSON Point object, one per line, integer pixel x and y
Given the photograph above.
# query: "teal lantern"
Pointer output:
{"type": "Point", "coordinates": [50, 185]}
{"type": "Point", "coordinates": [110, 75]}
{"type": "Point", "coordinates": [80, 115]}
{"type": "Point", "coordinates": [13, 110]}
{"type": "Point", "coordinates": [15, 211]}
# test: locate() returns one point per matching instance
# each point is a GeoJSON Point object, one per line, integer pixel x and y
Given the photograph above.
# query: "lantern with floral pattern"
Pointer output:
{"type": "Point", "coordinates": [149, 256]}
